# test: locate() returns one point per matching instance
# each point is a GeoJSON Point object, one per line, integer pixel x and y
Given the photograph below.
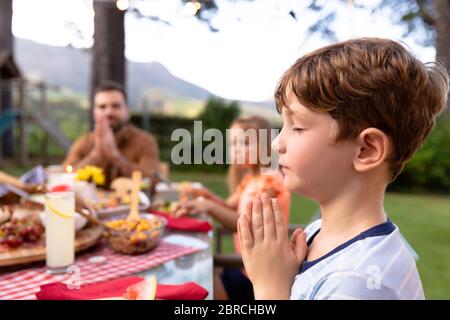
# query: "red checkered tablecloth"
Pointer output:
{"type": "Point", "coordinates": [23, 284]}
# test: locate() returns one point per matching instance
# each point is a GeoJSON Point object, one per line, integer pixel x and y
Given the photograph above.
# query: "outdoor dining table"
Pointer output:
{"type": "Point", "coordinates": [197, 267]}
{"type": "Point", "coordinates": [193, 261]}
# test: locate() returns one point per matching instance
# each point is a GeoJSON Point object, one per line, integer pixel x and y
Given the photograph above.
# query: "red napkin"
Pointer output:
{"type": "Point", "coordinates": [186, 291]}
{"type": "Point", "coordinates": [117, 288]}
{"type": "Point", "coordinates": [184, 223]}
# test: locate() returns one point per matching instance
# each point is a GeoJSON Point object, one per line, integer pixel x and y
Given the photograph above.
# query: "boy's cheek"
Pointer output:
{"type": "Point", "coordinates": [296, 154]}
{"type": "Point", "coordinates": [303, 170]}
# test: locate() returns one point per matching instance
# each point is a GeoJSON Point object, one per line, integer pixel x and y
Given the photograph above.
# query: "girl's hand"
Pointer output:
{"type": "Point", "coordinates": [188, 193]}
{"type": "Point", "coordinates": [270, 260]}
{"type": "Point", "coordinates": [197, 205]}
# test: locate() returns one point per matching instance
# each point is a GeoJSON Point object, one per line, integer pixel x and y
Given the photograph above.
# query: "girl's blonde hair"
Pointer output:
{"type": "Point", "coordinates": [235, 173]}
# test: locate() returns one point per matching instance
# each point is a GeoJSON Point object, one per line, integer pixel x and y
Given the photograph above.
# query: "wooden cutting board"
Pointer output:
{"type": "Point", "coordinates": [84, 239]}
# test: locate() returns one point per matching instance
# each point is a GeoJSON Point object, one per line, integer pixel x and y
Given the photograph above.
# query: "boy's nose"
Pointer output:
{"type": "Point", "coordinates": [278, 144]}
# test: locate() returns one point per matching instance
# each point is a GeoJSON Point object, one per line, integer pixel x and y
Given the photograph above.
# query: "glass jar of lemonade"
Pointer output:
{"type": "Point", "coordinates": [60, 231]}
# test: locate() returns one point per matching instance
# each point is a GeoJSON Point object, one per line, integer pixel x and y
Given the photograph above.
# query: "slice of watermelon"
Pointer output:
{"type": "Point", "coordinates": [143, 290]}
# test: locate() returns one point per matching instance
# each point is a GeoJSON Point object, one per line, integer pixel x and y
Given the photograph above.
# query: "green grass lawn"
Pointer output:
{"type": "Point", "coordinates": [424, 221]}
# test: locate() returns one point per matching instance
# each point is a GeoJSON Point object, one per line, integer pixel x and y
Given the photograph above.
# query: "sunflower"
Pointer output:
{"type": "Point", "coordinates": [91, 174]}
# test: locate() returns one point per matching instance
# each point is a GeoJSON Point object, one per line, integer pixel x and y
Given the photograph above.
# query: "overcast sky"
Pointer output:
{"type": "Point", "coordinates": [257, 40]}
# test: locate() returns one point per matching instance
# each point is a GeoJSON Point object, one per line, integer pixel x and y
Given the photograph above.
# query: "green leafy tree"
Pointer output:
{"type": "Point", "coordinates": [429, 169]}
{"type": "Point", "coordinates": [219, 114]}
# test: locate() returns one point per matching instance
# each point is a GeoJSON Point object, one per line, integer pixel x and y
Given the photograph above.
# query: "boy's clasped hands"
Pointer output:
{"type": "Point", "coordinates": [271, 261]}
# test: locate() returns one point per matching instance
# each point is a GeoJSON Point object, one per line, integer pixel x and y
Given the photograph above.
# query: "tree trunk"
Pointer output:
{"type": "Point", "coordinates": [443, 35]}
{"type": "Point", "coordinates": [6, 43]}
{"type": "Point", "coordinates": [108, 52]}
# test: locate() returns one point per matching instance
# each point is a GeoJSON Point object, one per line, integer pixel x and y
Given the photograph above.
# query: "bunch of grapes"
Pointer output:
{"type": "Point", "coordinates": [16, 232]}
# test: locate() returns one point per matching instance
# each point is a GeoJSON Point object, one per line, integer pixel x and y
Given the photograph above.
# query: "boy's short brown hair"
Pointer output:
{"type": "Point", "coordinates": [371, 82]}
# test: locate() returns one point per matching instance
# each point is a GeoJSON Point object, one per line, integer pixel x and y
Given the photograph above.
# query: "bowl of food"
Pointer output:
{"type": "Point", "coordinates": [135, 236]}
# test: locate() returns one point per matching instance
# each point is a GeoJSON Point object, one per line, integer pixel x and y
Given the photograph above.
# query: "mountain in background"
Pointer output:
{"type": "Point", "coordinates": [148, 84]}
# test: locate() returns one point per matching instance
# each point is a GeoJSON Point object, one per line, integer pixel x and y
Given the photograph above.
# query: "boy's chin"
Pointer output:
{"type": "Point", "coordinates": [295, 185]}
{"type": "Point", "coordinates": [291, 183]}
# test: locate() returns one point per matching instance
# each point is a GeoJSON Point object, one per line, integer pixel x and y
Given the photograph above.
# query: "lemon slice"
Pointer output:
{"type": "Point", "coordinates": [58, 212]}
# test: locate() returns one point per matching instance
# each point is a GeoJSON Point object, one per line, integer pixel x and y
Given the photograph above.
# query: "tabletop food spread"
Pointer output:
{"type": "Point", "coordinates": [106, 247]}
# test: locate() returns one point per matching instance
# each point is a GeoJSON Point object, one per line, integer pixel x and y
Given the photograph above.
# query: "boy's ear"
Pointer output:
{"type": "Point", "coordinates": [373, 149]}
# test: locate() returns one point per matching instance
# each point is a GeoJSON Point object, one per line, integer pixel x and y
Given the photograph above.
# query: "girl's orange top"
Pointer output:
{"type": "Point", "coordinates": [251, 186]}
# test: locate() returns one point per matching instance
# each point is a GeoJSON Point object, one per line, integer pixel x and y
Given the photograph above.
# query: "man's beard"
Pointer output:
{"type": "Point", "coordinates": [118, 126]}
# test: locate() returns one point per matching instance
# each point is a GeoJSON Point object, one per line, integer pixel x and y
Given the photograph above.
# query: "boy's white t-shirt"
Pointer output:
{"type": "Point", "coordinates": [376, 264]}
